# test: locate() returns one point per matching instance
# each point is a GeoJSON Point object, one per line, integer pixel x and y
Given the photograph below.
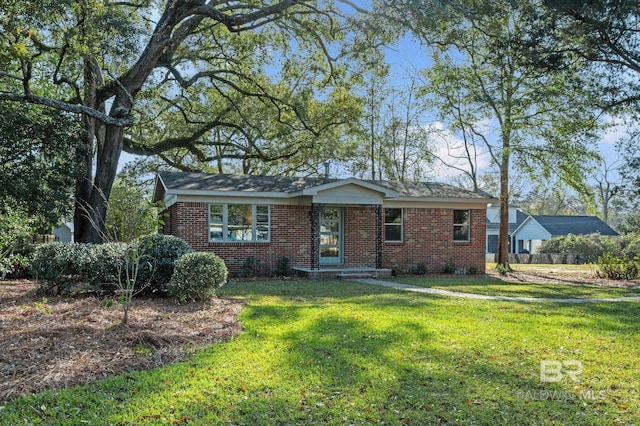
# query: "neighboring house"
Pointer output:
{"type": "Point", "coordinates": [537, 228]}
{"type": "Point", "coordinates": [516, 217]}
{"type": "Point", "coordinates": [325, 223]}
{"type": "Point", "coordinates": [64, 232]}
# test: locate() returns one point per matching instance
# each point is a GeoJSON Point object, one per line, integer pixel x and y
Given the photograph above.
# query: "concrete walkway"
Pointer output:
{"type": "Point", "coordinates": [440, 292]}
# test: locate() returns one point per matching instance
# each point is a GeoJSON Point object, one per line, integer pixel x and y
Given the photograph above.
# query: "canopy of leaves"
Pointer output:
{"type": "Point", "coordinates": [38, 149]}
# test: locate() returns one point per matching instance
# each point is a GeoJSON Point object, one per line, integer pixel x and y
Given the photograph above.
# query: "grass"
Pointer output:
{"type": "Point", "coordinates": [346, 353]}
{"type": "Point", "coordinates": [495, 287]}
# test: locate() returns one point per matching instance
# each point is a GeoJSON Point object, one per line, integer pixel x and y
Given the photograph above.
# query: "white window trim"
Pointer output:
{"type": "Point", "coordinates": [401, 224]}
{"type": "Point", "coordinates": [225, 223]}
{"type": "Point", "coordinates": [468, 223]}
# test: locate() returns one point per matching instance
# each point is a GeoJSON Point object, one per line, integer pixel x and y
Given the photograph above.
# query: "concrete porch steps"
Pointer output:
{"type": "Point", "coordinates": [344, 273]}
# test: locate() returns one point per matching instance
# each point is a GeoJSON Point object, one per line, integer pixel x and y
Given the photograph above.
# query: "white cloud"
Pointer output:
{"type": "Point", "coordinates": [450, 149]}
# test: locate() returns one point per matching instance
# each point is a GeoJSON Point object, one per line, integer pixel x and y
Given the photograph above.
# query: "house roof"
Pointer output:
{"type": "Point", "coordinates": [520, 217]}
{"type": "Point", "coordinates": [192, 182]}
{"type": "Point", "coordinates": [576, 225]}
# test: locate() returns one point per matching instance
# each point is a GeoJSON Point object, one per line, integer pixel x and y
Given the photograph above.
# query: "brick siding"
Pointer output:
{"type": "Point", "coordinates": [427, 239]}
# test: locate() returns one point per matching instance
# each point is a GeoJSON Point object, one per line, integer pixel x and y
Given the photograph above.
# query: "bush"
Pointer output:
{"type": "Point", "coordinates": [588, 247]}
{"type": "Point", "coordinates": [421, 269]}
{"type": "Point", "coordinates": [396, 271]}
{"type": "Point", "coordinates": [449, 268]}
{"type": "Point", "coordinates": [614, 268]}
{"type": "Point", "coordinates": [158, 254]}
{"type": "Point", "coordinates": [104, 263]}
{"type": "Point", "coordinates": [283, 267]}
{"type": "Point", "coordinates": [251, 267]}
{"type": "Point", "coordinates": [197, 276]}
{"type": "Point", "coordinates": [59, 267]}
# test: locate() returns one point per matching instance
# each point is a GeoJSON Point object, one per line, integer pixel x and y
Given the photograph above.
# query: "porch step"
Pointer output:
{"type": "Point", "coordinates": [350, 275]}
{"type": "Point", "coordinates": [342, 273]}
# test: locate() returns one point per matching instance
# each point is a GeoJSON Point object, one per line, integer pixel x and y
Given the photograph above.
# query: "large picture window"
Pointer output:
{"type": "Point", "coordinates": [461, 225]}
{"type": "Point", "coordinates": [393, 225]}
{"type": "Point", "coordinates": [239, 222]}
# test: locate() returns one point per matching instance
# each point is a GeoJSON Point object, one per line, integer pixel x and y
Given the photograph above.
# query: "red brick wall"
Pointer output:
{"type": "Point", "coordinates": [428, 238]}
{"type": "Point", "coordinates": [290, 236]}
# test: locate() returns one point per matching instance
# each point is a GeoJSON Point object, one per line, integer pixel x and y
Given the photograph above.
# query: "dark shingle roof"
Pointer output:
{"type": "Point", "coordinates": [576, 225]}
{"type": "Point", "coordinates": [287, 184]}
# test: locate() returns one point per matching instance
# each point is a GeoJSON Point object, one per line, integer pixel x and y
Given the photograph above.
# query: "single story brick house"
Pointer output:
{"type": "Point", "coordinates": [325, 223]}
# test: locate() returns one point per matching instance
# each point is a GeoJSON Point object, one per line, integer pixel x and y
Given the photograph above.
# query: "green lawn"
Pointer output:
{"type": "Point", "coordinates": [345, 353]}
{"type": "Point", "coordinates": [495, 287]}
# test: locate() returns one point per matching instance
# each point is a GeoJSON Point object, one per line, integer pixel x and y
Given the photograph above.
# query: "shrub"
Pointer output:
{"type": "Point", "coordinates": [158, 254]}
{"type": "Point", "coordinates": [449, 268]}
{"type": "Point", "coordinates": [396, 271]}
{"type": "Point", "coordinates": [197, 276]}
{"type": "Point", "coordinates": [105, 262]}
{"type": "Point", "coordinates": [59, 267]}
{"type": "Point", "coordinates": [421, 269]}
{"type": "Point", "coordinates": [251, 267]}
{"type": "Point", "coordinates": [588, 247]}
{"type": "Point", "coordinates": [503, 269]}
{"type": "Point", "coordinates": [283, 267]}
{"type": "Point", "coordinates": [473, 270]}
{"type": "Point", "coordinates": [614, 268]}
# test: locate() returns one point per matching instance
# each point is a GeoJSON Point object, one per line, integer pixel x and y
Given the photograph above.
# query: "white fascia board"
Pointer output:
{"type": "Point", "coordinates": [482, 203]}
{"type": "Point", "coordinates": [163, 187]}
{"type": "Point", "coordinates": [524, 222]}
{"type": "Point", "coordinates": [388, 193]}
{"type": "Point", "coordinates": [169, 200]}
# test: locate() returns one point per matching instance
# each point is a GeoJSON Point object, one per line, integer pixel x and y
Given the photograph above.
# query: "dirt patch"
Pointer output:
{"type": "Point", "coordinates": [56, 342]}
{"type": "Point", "coordinates": [558, 276]}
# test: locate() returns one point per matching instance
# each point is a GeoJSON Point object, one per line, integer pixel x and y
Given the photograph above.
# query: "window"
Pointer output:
{"type": "Point", "coordinates": [393, 224]}
{"type": "Point", "coordinates": [461, 222]}
{"type": "Point", "coordinates": [239, 222]}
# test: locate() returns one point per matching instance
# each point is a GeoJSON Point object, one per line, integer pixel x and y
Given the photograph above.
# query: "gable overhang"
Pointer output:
{"type": "Point", "coordinates": [531, 219]}
{"type": "Point", "coordinates": [350, 191]}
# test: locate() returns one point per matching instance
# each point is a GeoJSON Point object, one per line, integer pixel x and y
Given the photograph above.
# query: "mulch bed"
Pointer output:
{"type": "Point", "coordinates": [62, 341]}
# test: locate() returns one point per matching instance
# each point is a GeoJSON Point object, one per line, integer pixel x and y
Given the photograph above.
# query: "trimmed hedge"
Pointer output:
{"type": "Point", "coordinates": [158, 254]}
{"type": "Point", "coordinates": [61, 268]}
{"type": "Point", "coordinates": [197, 276]}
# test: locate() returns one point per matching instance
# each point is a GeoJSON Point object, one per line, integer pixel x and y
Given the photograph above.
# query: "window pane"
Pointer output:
{"type": "Point", "coordinates": [393, 215]}
{"type": "Point", "coordinates": [393, 232]}
{"type": "Point", "coordinates": [331, 213]}
{"type": "Point", "coordinates": [330, 227]}
{"type": "Point", "coordinates": [461, 233]}
{"type": "Point", "coordinates": [215, 213]}
{"type": "Point", "coordinates": [262, 233]}
{"type": "Point", "coordinates": [460, 217]}
{"type": "Point", "coordinates": [329, 239]}
{"type": "Point", "coordinates": [239, 222]}
{"type": "Point", "coordinates": [215, 232]}
{"type": "Point", "coordinates": [329, 251]}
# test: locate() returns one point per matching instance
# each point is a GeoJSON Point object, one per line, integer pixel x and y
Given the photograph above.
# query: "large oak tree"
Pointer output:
{"type": "Point", "coordinates": [152, 77]}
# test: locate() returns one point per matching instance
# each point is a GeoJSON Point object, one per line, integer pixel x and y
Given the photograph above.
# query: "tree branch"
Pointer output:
{"type": "Point", "coordinates": [65, 106]}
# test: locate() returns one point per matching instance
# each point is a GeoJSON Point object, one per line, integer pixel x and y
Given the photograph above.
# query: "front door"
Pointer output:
{"type": "Point", "coordinates": [331, 236]}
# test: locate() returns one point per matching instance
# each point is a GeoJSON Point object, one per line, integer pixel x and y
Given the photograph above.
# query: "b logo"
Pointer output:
{"type": "Point", "coordinates": [551, 371]}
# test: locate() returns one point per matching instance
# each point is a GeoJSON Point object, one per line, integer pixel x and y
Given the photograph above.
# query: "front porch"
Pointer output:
{"type": "Point", "coordinates": [332, 272]}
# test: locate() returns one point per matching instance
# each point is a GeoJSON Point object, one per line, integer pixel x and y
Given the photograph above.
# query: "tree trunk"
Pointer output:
{"type": "Point", "coordinates": [503, 239]}
{"type": "Point", "coordinates": [94, 208]}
